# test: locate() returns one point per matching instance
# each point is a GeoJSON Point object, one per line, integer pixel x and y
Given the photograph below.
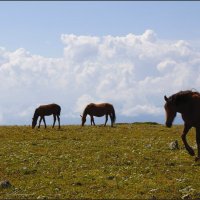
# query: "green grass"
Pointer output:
{"type": "Point", "coordinates": [129, 161]}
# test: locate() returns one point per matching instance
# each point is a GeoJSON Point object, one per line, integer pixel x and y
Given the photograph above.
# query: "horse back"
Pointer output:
{"type": "Point", "coordinates": [49, 109]}
{"type": "Point", "coordinates": [99, 109]}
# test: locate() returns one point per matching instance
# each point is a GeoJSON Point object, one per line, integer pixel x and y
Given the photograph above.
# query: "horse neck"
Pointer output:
{"type": "Point", "coordinates": [36, 115]}
{"type": "Point", "coordinates": [85, 112]}
{"type": "Point", "coordinates": [183, 108]}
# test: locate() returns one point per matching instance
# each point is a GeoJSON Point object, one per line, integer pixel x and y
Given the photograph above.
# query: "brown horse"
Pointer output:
{"type": "Point", "coordinates": [99, 110]}
{"type": "Point", "coordinates": [46, 110]}
{"type": "Point", "coordinates": [188, 104]}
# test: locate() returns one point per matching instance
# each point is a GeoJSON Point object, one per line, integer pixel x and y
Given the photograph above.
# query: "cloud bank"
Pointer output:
{"type": "Point", "coordinates": [133, 72]}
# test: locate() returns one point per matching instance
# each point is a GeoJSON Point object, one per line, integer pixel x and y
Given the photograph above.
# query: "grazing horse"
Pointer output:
{"type": "Point", "coordinates": [99, 110]}
{"type": "Point", "coordinates": [46, 110]}
{"type": "Point", "coordinates": [188, 104]}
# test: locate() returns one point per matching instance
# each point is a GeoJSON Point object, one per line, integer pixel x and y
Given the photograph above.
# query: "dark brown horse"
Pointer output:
{"type": "Point", "coordinates": [46, 110]}
{"type": "Point", "coordinates": [188, 104]}
{"type": "Point", "coordinates": [99, 110]}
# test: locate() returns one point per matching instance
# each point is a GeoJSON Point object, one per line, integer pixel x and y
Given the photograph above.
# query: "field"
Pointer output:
{"type": "Point", "coordinates": [129, 161]}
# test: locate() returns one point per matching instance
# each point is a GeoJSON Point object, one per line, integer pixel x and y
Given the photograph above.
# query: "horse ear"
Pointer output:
{"type": "Point", "coordinates": [166, 99]}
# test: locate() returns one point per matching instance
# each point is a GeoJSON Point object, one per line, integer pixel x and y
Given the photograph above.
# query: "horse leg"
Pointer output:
{"type": "Point", "coordinates": [58, 121]}
{"type": "Point", "coordinates": [93, 120]}
{"type": "Point", "coordinates": [183, 136]}
{"type": "Point", "coordinates": [111, 119]}
{"type": "Point", "coordinates": [44, 122]}
{"type": "Point", "coordinates": [40, 122]}
{"type": "Point", "coordinates": [106, 119]}
{"type": "Point", "coordinates": [198, 143]}
{"type": "Point", "coordinates": [54, 120]}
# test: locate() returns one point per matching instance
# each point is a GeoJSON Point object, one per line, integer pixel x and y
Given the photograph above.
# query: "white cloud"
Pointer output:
{"type": "Point", "coordinates": [166, 65]}
{"type": "Point", "coordinates": [141, 109]}
{"type": "Point", "coordinates": [148, 35]}
{"type": "Point", "coordinates": [133, 72]}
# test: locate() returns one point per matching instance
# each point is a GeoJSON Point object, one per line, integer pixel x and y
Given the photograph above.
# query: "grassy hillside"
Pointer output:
{"type": "Point", "coordinates": [127, 161]}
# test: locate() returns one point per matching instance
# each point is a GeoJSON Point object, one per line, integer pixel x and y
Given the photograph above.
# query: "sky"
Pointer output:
{"type": "Point", "coordinates": [130, 54]}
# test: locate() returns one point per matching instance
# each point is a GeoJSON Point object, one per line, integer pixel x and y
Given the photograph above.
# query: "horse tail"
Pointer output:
{"type": "Point", "coordinates": [59, 110]}
{"type": "Point", "coordinates": [113, 115]}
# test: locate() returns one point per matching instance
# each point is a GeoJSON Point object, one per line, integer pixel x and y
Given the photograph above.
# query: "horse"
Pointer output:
{"type": "Point", "coordinates": [188, 104]}
{"type": "Point", "coordinates": [46, 110]}
{"type": "Point", "coordinates": [99, 110]}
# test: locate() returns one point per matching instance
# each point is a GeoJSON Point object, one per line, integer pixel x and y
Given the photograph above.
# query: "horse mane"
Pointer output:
{"type": "Point", "coordinates": [85, 111]}
{"type": "Point", "coordinates": [183, 96]}
{"type": "Point", "coordinates": [35, 116]}
{"type": "Point", "coordinates": [86, 108]}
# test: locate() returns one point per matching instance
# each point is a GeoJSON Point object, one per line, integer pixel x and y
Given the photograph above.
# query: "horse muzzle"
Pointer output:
{"type": "Point", "coordinates": [168, 124]}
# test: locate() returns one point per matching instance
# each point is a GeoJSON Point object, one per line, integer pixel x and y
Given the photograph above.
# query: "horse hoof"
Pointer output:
{"type": "Point", "coordinates": [197, 159]}
{"type": "Point", "coordinates": [191, 152]}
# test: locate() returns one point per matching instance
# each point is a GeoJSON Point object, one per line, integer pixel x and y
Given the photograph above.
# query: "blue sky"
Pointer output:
{"type": "Point", "coordinates": [37, 26]}
{"type": "Point", "coordinates": [130, 54]}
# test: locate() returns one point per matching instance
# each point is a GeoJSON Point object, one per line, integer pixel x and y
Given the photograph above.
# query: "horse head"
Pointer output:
{"type": "Point", "coordinates": [170, 110]}
{"type": "Point", "coordinates": [83, 118]}
{"type": "Point", "coordinates": [34, 122]}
